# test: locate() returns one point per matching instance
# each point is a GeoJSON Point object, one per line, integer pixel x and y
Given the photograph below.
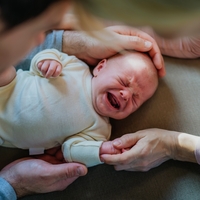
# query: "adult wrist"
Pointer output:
{"type": "Point", "coordinates": [73, 42]}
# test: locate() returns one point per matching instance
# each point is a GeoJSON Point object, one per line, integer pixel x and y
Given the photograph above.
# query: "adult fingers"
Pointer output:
{"type": "Point", "coordinates": [159, 63]}
{"type": "Point", "coordinates": [133, 43]}
{"type": "Point", "coordinates": [141, 41]}
{"type": "Point", "coordinates": [157, 59]}
{"type": "Point", "coordinates": [64, 174]}
{"type": "Point", "coordinates": [122, 160]}
{"type": "Point", "coordinates": [126, 141]}
{"type": "Point", "coordinates": [112, 159]}
{"type": "Point", "coordinates": [68, 170]}
{"type": "Point", "coordinates": [136, 38]}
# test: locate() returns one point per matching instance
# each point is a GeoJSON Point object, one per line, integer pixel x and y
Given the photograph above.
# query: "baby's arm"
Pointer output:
{"type": "Point", "coordinates": [82, 148]}
{"type": "Point", "coordinates": [50, 68]}
{"type": "Point", "coordinates": [85, 149]}
{"type": "Point", "coordinates": [48, 63]}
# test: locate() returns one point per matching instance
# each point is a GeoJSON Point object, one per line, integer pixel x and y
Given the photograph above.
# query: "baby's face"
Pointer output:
{"type": "Point", "coordinates": [122, 84]}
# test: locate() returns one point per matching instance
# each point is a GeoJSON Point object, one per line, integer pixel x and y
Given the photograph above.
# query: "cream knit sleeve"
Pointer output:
{"type": "Point", "coordinates": [82, 148]}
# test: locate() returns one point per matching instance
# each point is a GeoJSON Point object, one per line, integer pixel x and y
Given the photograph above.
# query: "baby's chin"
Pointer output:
{"type": "Point", "coordinates": [116, 116]}
{"type": "Point", "coordinates": [119, 116]}
{"type": "Point", "coordinates": [103, 111]}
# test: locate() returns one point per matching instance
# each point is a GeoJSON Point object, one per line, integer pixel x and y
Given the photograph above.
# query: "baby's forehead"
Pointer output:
{"type": "Point", "coordinates": [139, 64]}
{"type": "Point", "coordinates": [139, 59]}
{"type": "Point", "coordinates": [135, 55]}
{"type": "Point", "coordinates": [132, 61]}
{"type": "Point", "coordinates": [136, 60]}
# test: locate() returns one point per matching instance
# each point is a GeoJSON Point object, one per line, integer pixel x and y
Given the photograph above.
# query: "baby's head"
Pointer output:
{"type": "Point", "coordinates": [122, 83]}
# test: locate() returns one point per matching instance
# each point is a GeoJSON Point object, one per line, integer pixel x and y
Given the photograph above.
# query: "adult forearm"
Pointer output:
{"type": "Point", "coordinates": [73, 43]}
{"type": "Point", "coordinates": [179, 47]}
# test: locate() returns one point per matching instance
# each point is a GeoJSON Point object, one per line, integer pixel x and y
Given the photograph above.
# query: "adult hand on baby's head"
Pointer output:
{"type": "Point", "coordinates": [29, 176]}
{"type": "Point", "coordinates": [121, 38]}
{"type": "Point", "coordinates": [130, 38]}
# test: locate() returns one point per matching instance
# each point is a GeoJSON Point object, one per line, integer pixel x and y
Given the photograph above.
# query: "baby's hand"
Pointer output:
{"type": "Point", "coordinates": [108, 148]}
{"type": "Point", "coordinates": [50, 68]}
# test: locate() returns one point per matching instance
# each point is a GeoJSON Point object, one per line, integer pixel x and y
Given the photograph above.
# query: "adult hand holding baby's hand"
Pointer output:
{"type": "Point", "coordinates": [144, 150]}
{"type": "Point", "coordinates": [108, 148]}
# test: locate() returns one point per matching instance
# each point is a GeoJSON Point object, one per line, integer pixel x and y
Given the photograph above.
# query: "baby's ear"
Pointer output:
{"type": "Point", "coordinates": [99, 66]}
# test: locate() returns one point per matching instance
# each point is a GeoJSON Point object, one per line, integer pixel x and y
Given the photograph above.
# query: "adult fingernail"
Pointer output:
{"type": "Point", "coordinates": [117, 143]}
{"type": "Point", "coordinates": [80, 171]}
{"type": "Point", "coordinates": [148, 44]}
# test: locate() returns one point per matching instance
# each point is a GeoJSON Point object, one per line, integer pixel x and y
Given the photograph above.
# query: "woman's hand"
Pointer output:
{"type": "Point", "coordinates": [149, 148]}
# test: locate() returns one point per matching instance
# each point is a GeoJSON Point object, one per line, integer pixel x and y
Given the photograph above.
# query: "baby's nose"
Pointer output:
{"type": "Point", "coordinates": [125, 94]}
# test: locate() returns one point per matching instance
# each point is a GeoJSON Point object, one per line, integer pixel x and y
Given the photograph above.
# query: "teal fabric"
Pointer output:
{"type": "Point", "coordinates": [6, 191]}
{"type": "Point", "coordinates": [175, 106]}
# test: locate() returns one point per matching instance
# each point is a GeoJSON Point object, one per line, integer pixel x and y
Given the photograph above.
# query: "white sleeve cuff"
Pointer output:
{"type": "Point", "coordinates": [86, 152]}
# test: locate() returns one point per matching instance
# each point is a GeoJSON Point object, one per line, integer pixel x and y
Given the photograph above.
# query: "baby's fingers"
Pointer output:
{"type": "Point", "coordinates": [43, 66]}
{"type": "Point", "coordinates": [39, 65]}
{"type": "Point", "coordinates": [52, 69]}
{"type": "Point", "coordinates": [58, 70]}
{"type": "Point", "coordinates": [108, 148]}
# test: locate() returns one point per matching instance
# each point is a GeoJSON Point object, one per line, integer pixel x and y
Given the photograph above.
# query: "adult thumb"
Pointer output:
{"type": "Point", "coordinates": [69, 170]}
{"type": "Point", "coordinates": [125, 141]}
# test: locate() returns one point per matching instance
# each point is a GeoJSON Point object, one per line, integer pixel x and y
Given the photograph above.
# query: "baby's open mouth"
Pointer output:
{"type": "Point", "coordinates": [113, 100]}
